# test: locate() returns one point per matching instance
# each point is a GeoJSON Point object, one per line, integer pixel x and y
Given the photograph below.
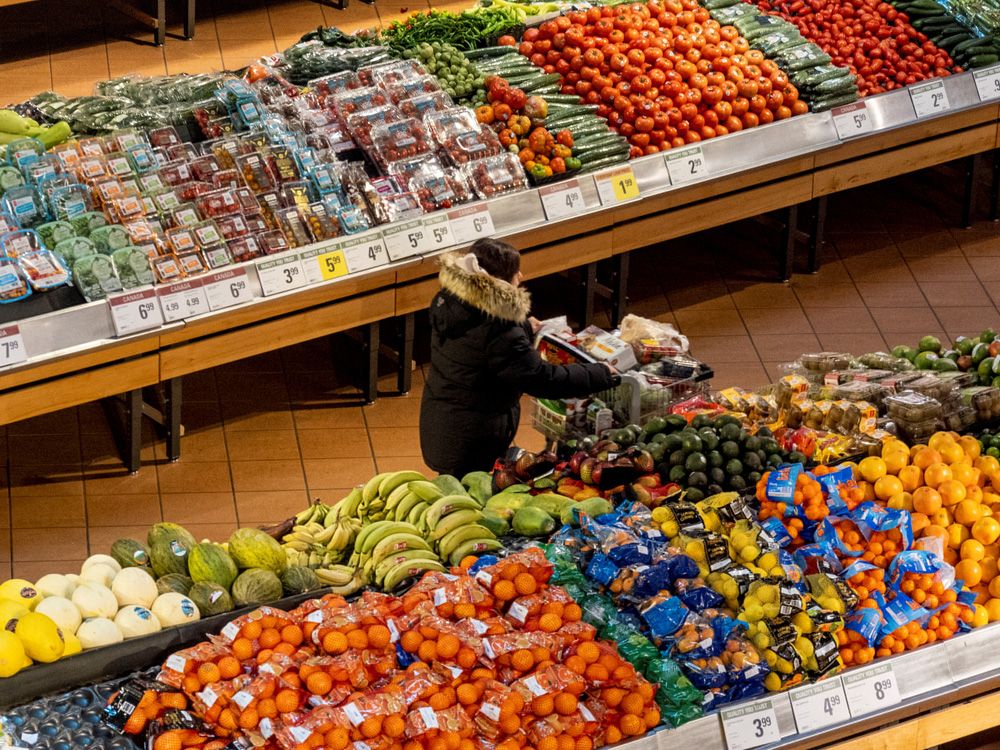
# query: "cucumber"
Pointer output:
{"type": "Point", "coordinates": [609, 161]}
{"type": "Point", "coordinates": [950, 41]}
{"type": "Point", "coordinates": [980, 61]}
{"type": "Point", "coordinates": [821, 105]}
{"type": "Point", "coordinates": [972, 42]}
{"type": "Point", "coordinates": [836, 85]}
{"type": "Point", "coordinates": [487, 52]}
{"type": "Point", "coordinates": [587, 155]}
{"type": "Point", "coordinates": [564, 99]}
{"type": "Point", "coordinates": [545, 80]}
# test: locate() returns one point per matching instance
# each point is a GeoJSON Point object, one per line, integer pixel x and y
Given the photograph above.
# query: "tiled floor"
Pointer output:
{"type": "Point", "coordinates": [264, 435]}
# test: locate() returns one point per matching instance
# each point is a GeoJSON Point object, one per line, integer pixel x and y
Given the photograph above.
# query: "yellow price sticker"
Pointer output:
{"type": "Point", "coordinates": [332, 265]}
{"type": "Point", "coordinates": [625, 185]}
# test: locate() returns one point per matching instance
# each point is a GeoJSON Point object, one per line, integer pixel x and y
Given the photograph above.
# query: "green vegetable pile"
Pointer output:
{"type": "Point", "coordinates": [968, 31]}
{"type": "Point", "coordinates": [333, 37]}
{"type": "Point", "coordinates": [478, 27]}
{"type": "Point", "coordinates": [458, 77]}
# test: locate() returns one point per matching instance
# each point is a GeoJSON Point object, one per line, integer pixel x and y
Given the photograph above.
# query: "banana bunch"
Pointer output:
{"type": "Point", "coordinates": [323, 535]}
{"type": "Point", "coordinates": [342, 579]}
{"type": "Point", "coordinates": [388, 552]}
{"type": "Point", "coordinates": [379, 490]}
{"type": "Point", "coordinates": [452, 525]}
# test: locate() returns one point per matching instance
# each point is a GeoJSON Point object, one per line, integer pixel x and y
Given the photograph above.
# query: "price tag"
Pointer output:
{"type": "Point", "coordinates": [820, 705]}
{"type": "Point", "coordinates": [750, 725]}
{"type": "Point", "coordinates": [280, 274]}
{"type": "Point", "coordinates": [437, 230]}
{"type": "Point", "coordinates": [686, 165]}
{"type": "Point", "coordinates": [988, 83]}
{"type": "Point", "coordinates": [227, 288]}
{"type": "Point", "coordinates": [929, 98]}
{"type": "Point", "coordinates": [12, 349]}
{"type": "Point", "coordinates": [182, 300]}
{"type": "Point", "coordinates": [134, 312]}
{"type": "Point", "coordinates": [364, 252]}
{"type": "Point", "coordinates": [852, 120]}
{"type": "Point", "coordinates": [332, 265]}
{"type": "Point", "coordinates": [562, 199]}
{"type": "Point", "coordinates": [470, 223]}
{"type": "Point", "coordinates": [871, 689]}
{"type": "Point", "coordinates": [405, 240]}
{"type": "Point", "coordinates": [617, 185]}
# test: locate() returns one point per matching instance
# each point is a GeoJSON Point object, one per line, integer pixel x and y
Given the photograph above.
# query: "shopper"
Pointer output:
{"type": "Point", "coordinates": [483, 360]}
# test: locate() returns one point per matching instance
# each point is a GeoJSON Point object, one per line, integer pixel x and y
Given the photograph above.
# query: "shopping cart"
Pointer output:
{"type": "Point", "coordinates": [635, 401]}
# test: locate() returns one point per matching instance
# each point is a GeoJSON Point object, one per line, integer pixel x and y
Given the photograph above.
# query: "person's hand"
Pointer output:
{"type": "Point", "coordinates": [610, 367]}
{"type": "Point", "coordinates": [536, 324]}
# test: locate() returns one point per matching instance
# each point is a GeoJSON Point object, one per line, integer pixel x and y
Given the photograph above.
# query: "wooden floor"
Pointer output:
{"type": "Point", "coordinates": [67, 45]}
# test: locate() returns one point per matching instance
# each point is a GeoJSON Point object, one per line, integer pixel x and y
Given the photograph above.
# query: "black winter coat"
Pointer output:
{"type": "Point", "coordinates": [482, 361]}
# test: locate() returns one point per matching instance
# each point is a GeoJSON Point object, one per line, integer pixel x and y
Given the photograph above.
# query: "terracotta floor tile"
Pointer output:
{"type": "Point", "coordinates": [32, 570]}
{"type": "Point", "coordinates": [41, 481]}
{"type": "Point", "coordinates": [831, 272]}
{"type": "Point", "coordinates": [5, 553]}
{"type": "Point", "coordinates": [933, 268]}
{"type": "Point", "coordinates": [827, 295]}
{"type": "Point", "coordinates": [270, 507]}
{"type": "Point", "coordinates": [398, 463]}
{"type": "Point", "coordinates": [49, 544]}
{"type": "Point", "coordinates": [905, 319]}
{"type": "Point", "coordinates": [185, 476]}
{"type": "Point", "coordinates": [976, 243]}
{"type": "Point", "coordinates": [328, 417]}
{"type": "Point", "coordinates": [859, 243]}
{"type": "Point", "coordinates": [395, 441]}
{"type": "Point", "coordinates": [29, 450]}
{"type": "Point", "coordinates": [924, 243]}
{"type": "Point", "coordinates": [4, 510]}
{"type": "Point", "coordinates": [715, 349]}
{"type": "Point", "coordinates": [744, 374]}
{"type": "Point", "coordinates": [238, 387]}
{"type": "Point", "coordinates": [853, 343]}
{"type": "Point", "coordinates": [198, 415]}
{"type": "Point", "coordinates": [389, 412]}
{"type": "Point", "coordinates": [710, 323]}
{"type": "Point", "coordinates": [63, 422]}
{"type": "Point", "coordinates": [252, 476]}
{"type": "Point", "coordinates": [324, 386]}
{"type": "Point", "coordinates": [112, 510]}
{"type": "Point", "coordinates": [103, 481]}
{"type": "Point", "coordinates": [101, 450]}
{"type": "Point", "coordinates": [200, 445]}
{"type": "Point", "coordinates": [778, 346]}
{"type": "Point", "coordinates": [334, 443]}
{"type": "Point", "coordinates": [967, 321]}
{"type": "Point", "coordinates": [199, 386]}
{"type": "Point", "coordinates": [713, 295]}
{"type": "Point", "coordinates": [987, 267]}
{"type": "Point", "coordinates": [255, 445]}
{"type": "Point", "coordinates": [874, 265]}
{"type": "Point", "coordinates": [199, 507]}
{"type": "Point", "coordinates": [334, 472]}
{"type": "Point", "coordinates": [941, 294]}
{"type": "Point", "coordinates": [100, 538]}
{"type": "Point", "coordinates": [247, 416]}
{"type": "Point", "coordinates": [841, 320]}
{"type": "Point", "coordinates": [238, 26]}
{"type": "Point", "coordinates": [896, 293]}
{"type": "Point", "coordinates": [776, 320]}
{"type": "Point", "coordinates": [47, 512]}
{"type": "Point", "coordinates": [770, 296]}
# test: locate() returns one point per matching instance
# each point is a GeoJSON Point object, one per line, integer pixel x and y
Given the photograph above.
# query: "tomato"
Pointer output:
{"type": "Point", "coordinates": [644, 124]}
{"type": "Point", "coordinates": [594, 57]}
{"type": "Point", "coordinates": [618, 62]}
{"type": "Point", "coordinates": [548, 29]}
{"type": "Point", "coordinates": [537, 59]}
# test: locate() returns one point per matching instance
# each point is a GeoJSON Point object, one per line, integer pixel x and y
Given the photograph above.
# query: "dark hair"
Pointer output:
{"type": "Point", "coordinates": [497, 258]}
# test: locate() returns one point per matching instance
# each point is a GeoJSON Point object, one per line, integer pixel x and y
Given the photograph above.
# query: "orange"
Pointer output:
{"type": "Point", "coordinates": [969, 571]}
{"type": "Point", "coordinates": [887, 486]}
{"type": "Point", "coordinates": [410, 641]}
{"type": "Point", "coordinates": [335, 642]}
{"type": "Point", "coordinates": [926, 500]}
{"type": "Point", "coordinates": [319, 683]}
{"type": "Point", "coordinates": [971, 446]}
{"type": "Point", "coordinates": [633, 704]}
{"type": "Point", "coordinates": [522, 660]}
{"type": "Point", "coordinates": [911, 477]}
{"type": "Point", "coordinates": [986, 530]}
{"type": "Point", "coordinates": [589, 652]}
{"type": "Point", "coordinates": [965, 474]}
{"type": "Point", "coordinates": [633, 726]}
{"type": "Point", "coordinates": [974, 492]}
{"type": "Point", "coordinates": [242, 649]}
{"type": "Point", "coordinates": [967, 512]}
{"type": "Point", "coordinates": [938, 439]}
{"type": "Point", "coordinates": [971, 550]}
{"type": "Point", "coordinates": [550, 623]}
{"type": "Point", "coordinates": [937, 531]}
{"type": "Point", "coordinates": [371, 727]}
{"type": "Point", "coordinates": [379, 636]}
{"type": "Point", "coordinates": [925, 458]}
{"type": "Point", "coordinates": [987, 465]}
{"type": "Point", "coordinates": [952, 453]}
{"type": "Point", "coordinates": [542, 706]}
{"type": "Point", "coordinates": [872, 468]}
{"type": "Point", "coordinates": [504, 590]}
{"type": "Point", "coordinates": [994, 588]}
{"type": "Point", "coordinates": [208, 673]}
{"type": "Point", "coordinates": [895, 460]}
{"type": "Point", "coordinates": [990, 569]}
{"type": "Point", "coordinates": [901, 500]}
{"type": "Point", "coordinates": [993, 609]}
{"type": "Point", "coordinates": [565, 704]}
{"type": "Point", "coordinates": [229, 667]}
{"type": "Point", "coordinates": [942, 517]}
{"type": "Point", "coordinates": [525, 584]}
{"type": "Point", "coordinates": [952, 492]}
{"type": "Point", "coordinates": [937, 473]}
{"type": "Point", "coordinates": [919, 521]}
{"type": "Point", "coordinates": [957, 533]}
{"type": "Point", "coordinates": [357, 639]}
{"type": "Point", "coordinates": [447, 646]}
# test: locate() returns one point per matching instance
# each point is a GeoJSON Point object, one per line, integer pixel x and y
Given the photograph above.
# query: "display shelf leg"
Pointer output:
{"type": "Point", "coordinates": [172, 422]}
{"type": "Point", "coordinates": [619, 289]}
{"type": "Point", "coordinates": [787, 248]}
{"type": "Point", "coordinates": [160, 30]}
{"type": "Point", "coordinates": [995, 188]}
{"type": "Point", "coordinates": [588, 288]}
{"type": "Point", "coordinates": [189, 19]}
{"type": "Point", "coordinates": [969, 195]}
{"type": "Point", "coordinates": [816, 230]}
{"type": "Point", "coordinates": [404, 373]}
{"type": "Point", "coordinates": [125, 418]}
{"type": "Point", "coordinates": [370, 349]}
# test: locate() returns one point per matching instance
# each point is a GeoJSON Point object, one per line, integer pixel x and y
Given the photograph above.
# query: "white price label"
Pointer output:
{"type": "Point", "coordinates": [852, 120]}
{"type": "Point", "coordinates": [929, 98]}
{"type": "Point", "coordinates": [429, 717]}
{"type": "Point", "coordinates": [617, 186]}
{"type": "Point", "coordinates": [437, 230]}
{"type": "Point", "coordinates": [686, 164]}
{"type": "Point", "coordinates": [470, 223]}
{"type": "Point", "coordinates": [988, 83]}
{"type": "Point", "coordinates": [820, 705]}
{"type": "Point", "coordinates": [135, 311]}
{"type": "Point", "coordinates": [182, 300]}
{"type": "Point", "coordinates": [872, 689]}
{"type": "Point", "coordinates": [353, 714]}
{"type": "Point", "coordinates": [280, 274]}
{"type": "Point", "coordinates": [562, 199]}
{"type": "Point", "coordinates": [405, 240]}
{"type": "Point", "coordinates": [490, 711]}
{"type": "Point", "coordinates": [364, 252]}
{"type": "Point", "coordinates": [750, 725]}
{"type": "Point", "coordinates": [12, 349]}
{"type": "Point", "coordinates": [227, 288]}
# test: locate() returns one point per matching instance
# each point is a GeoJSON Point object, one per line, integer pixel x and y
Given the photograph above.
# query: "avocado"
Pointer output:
{"type": "Point", "coordinates": [694, 495]}
{"type": "Point", "coordinates": [734, 467]}
{"type": "Point", "coordinates": [729, 449]}
{"type": "Point", "coordinates": [677, 458]}
{"type": "Point", "coordinates": [675, 422]}
{"type": "Point", "coordinates": [774, 460]}
{"type": "Point", "coordinates": [979, 353]}
{"type": "Point", "coordinates": [709, 438]}
{"type": "Point", "coordinates": [951, 354]}
{"type": "Point", "coordinates": [716, 475]}
{"type": "Point", "coordinates": [751, 443]}
{"type": "Point", "coordinates": [702, 420]}
{"type": "Point", "coordinates": [753, 477]}
{"type": "Point", "coordinates": [900, 350]}
{"type": "Point", "coordinates": [677, 474]}
{"type": "Point", "coordinates": [715, 459]}
{"type": "Point", "coordinates": [730, 431]}
{"type": "Point", "coordinates": [796, 457]}
{"type": "Point", "coordinates": [985, 370]}
{"type": "Point", "coordinates": [697, 479]}
{"type": "Point", "coordinates": [654, 426]}
{"type": "Point", "coordinates": [691, 443]}
{"type": "Point", "coordinates": [696, 462]}
{"type": "Point", "coordinates": [738, 483]}
{"type": "Point", "coordinates": [671, 442]}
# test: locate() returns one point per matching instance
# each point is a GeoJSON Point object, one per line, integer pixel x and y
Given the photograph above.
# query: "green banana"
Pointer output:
{"type": "Point", "coordinates": [367, 530]}
{"type": "Point", "coordinates": [455, 520]}
{"type": "Point", "coordinates": [371, 486]}
{"type": "Point", "coordinates": [460, 536]}
{"type": "Point", "coordinates": [398, 558]}
{"type": "Point", "coordinates": [473, 547]}
{"type": "Point", "coordinates": [416, 513]}
{"type": "Point", "coordinates": [391, 482]}
{"type": "Point", "coordinates": [397, 543]}
{"type": "Point", "coordinates": [398, 495]}
{"type": "Point", "coordinates": [402, 511]}
{"type": "Point", "coordinates": [396, 575]}
{"type": "Point", "coordinates": [305, 516]}
{"type": "Point", "coordinates": [336, 575]}
{"type": "Point", "coordinates": [447, 504]}
{"type": "Point", "coordinates": [385, 529]}
{"type": "Point", "coordinates": [426, 491]}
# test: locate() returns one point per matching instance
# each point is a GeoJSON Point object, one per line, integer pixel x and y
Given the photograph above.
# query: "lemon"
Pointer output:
{"type": "Point", "coordinates": [661, 514]}
{"type": "Point", "coordinates": [771, 611]}
{"type": "Point", "coordinates": [20, 590]}
{"type": "Point", "coordinates": [772, 682]}
{"type": "Point", "coordinates": [804, 647]}
{"type": "Point", "coordinates": [802, 622]}
{"type": "Point", "coordinates": [12, 656]}
{"type": "Point", "coordinates": [768, 560]}
{"type": "Point", "coordinates": [41, 637]}
{"type": "Point", "coordinates": [749, 553]}
{"type": "Point", "coordinates": [670, 529]}
{"type": "Point", "coordinates": [10, 613]}
{"type": "Point", "coordinates": [72, 645]}
{"type": "Point", "coordinates": [753, 613]}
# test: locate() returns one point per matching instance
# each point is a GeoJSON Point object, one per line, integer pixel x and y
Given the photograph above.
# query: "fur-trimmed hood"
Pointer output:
{"type": "Point", "coordinates": [498, 299]}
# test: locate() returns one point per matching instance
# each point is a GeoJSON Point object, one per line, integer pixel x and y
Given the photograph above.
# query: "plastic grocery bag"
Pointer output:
{"type": "Point", "coordinates": [651, 336]}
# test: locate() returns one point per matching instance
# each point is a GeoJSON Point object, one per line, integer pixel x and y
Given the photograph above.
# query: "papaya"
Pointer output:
{"type": "Point", "coordinates": [506, 503]}
{"type": "Point", "coordinates": [533, 522]}
{"type": "Point", "coordinates": [449, 485]}
{"type": "Point", "coordinates": [495, 523]}
{"type": "Point", "coordinates": [550, 502]}
{"type": "Point", "coordinates": [594, 506]}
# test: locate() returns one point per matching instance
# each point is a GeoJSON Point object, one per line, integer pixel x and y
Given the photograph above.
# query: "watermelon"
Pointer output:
{"type": "Point", "coordinates": [256, 586]}
{"type": "Point", "coordinates": [252, 548]}
{"type": "Point", "coordinates": [210, 598]}
{"type": "Point", "coordinates": [169, 546]}
{"type": "Point", "coordinates": [209, 562]}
